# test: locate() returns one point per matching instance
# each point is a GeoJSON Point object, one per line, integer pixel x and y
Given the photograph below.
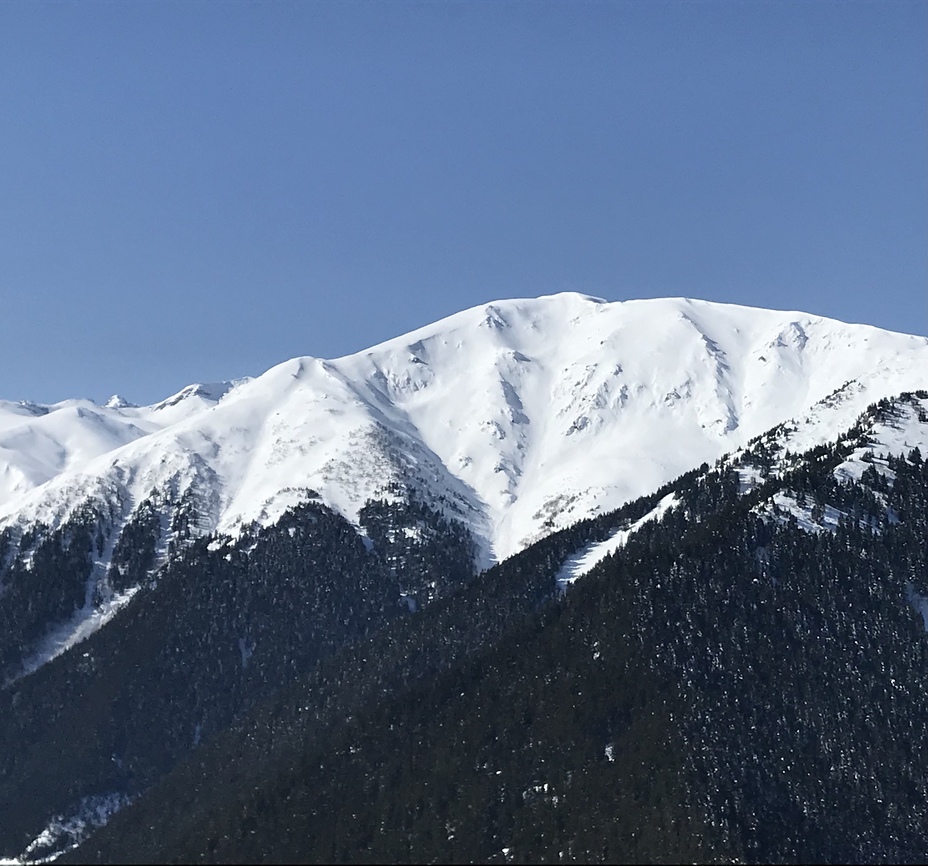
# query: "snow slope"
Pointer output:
{"type": "Point", "coordinates": [891, 430]}
{"type": "Point", "coordinates": [585, 560]}
{"type": "Point", "coordinates": [39, 442]}
{"type": "Point", "coordinates": [517, 417]}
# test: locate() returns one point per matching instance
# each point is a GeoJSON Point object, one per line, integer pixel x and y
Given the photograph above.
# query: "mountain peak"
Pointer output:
{"type": "Point", "coordinates": [516, 417]}
{"type": "Point", "coordinates": [118, 402]}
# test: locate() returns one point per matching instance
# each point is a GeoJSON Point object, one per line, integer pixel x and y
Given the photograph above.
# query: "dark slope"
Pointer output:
{"type": "Point", "coordinates": [205, 640]}
{"type": "Point", "coordinates": [409, 652]}
{"type": "Point", "coordinates": [723, 688]}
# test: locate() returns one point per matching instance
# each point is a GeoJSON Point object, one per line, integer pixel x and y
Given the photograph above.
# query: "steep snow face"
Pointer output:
{"type": "Point", "coordinates": [557, 408]}
{"type": "Point", "coordinates": [518, 417]}
{"type": "Point", "coordinates": [585, 560]}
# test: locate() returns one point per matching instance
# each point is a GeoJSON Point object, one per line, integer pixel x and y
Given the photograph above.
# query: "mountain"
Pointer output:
{"type": "Point", "coordinates": [513, 419]}
{"type": "Point", "coordinates": [336, 535]}
{"type": "Point", "coordinates": [743, 678]}
{"type": "Point", "coordinates": [516, 418]}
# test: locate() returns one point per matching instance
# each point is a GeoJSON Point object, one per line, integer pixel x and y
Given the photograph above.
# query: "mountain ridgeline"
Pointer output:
{"type": "Point", "coordinates": [375, 609]}
{"type": "Point", "coordinates": [515, 419]}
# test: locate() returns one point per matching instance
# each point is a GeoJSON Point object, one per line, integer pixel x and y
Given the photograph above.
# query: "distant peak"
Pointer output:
{"type": "Point", "coordinates": [119, 402]}
{"type": "Point", "coordinates": [32, 408]}
{"type": "Point", "coordinates": [211, 391]}
{"type": "Point", "coordinates": [580, 296]}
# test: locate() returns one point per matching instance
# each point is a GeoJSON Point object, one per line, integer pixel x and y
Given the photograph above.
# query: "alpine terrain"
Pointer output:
{"type": "Point", "coordinates": [550, 579]}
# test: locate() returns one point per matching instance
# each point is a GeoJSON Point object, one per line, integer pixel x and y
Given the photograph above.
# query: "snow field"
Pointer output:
{"type": "Point", "coordinates": [517, 417]}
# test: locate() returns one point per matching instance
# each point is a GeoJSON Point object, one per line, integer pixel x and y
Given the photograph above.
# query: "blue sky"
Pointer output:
{"type": "Point", "coordinates": [193, 191]}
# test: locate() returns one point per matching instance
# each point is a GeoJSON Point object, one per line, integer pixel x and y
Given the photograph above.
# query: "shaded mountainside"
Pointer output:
{"type": "Point", "coordinates": [744, 679]}
{"type": "Point", "coordinates": [201, 642]}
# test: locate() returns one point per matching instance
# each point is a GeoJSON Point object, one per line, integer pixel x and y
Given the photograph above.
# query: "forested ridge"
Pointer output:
{"type": "Point", "coordinates": [729, 685]}
{"type": "Point", "coordinates": [204, 640]}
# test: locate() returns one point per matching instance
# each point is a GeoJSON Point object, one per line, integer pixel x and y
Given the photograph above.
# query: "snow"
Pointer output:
{"type": "Point", "coordinates": [788, 506]}
{"type": "Point", "coordinates": [38, 443]}
{"type": "Point", "coordinates": [583, 561]}
{"type": "Point", "coordinates": [897, 435]}
{"type": "Point", "coordinates": [517, 418]}
{"type": "Point", "coordinates": [82, 625]}
{"type": "Point", "coordinates": [117, 401]}
{"type": "Point", "coordinates": [65, 834]}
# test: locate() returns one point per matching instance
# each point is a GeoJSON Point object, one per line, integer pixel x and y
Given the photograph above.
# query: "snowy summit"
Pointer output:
{"type": "Point", "coordinates": [517, 417]}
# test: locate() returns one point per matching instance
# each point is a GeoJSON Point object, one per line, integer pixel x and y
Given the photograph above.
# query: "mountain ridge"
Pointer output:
{"type": "Point", "coordinates": [739, 703]}
{"type": "Point", "coordinates": [494, 413]}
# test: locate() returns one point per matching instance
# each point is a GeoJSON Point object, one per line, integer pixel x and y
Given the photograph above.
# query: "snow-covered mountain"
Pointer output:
{"type": "Point", "coordinates": [513, 419]}
{"type": "Point", "coordinates": [516, 418]}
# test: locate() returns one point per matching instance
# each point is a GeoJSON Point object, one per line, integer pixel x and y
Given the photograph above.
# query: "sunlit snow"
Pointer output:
{"type": "Point", "coordinates": [516, 418]}
{"type": "Point", "coordinates": [84, 623]}
{"type": "Point", "coordinates": [583, 561]}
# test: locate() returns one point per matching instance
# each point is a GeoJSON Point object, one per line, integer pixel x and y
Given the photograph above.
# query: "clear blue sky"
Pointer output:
{"type": "Point", "coordinates": [193, 191]}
